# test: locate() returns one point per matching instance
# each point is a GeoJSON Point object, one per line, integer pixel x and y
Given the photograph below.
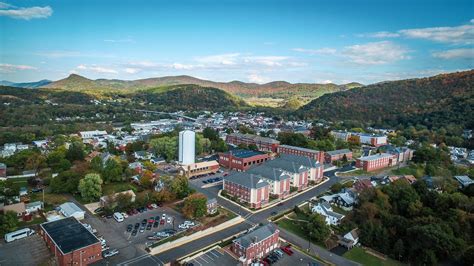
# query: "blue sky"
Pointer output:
{"type": "Point", "coordinates": [257, 41]}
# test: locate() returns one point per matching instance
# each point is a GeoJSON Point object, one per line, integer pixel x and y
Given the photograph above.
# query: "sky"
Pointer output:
{"type": "Point", "coordinates": [319, 41]}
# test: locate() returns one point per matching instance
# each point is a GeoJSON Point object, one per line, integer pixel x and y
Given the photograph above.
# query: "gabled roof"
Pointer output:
{"type": "Point", "coordinates": [246, 180]}
{"type": "Point", "coordinates": [69, 208]}
{"type": "Point", "coordinates": [268, 172]}
{"type": "Point", "coordinates": [256, 235]}
{"type": "Point", "coordinates": [303, 160]}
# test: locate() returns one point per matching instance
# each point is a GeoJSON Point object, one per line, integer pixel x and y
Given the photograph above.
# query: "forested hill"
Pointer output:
{"type": "Point", "coordinates": [433, 101]}
{"type": "Point", "coordinates": [188, 98]}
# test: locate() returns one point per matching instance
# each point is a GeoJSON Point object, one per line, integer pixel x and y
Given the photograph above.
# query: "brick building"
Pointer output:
{"type": "Point", "coordinates": [278, 179]}
{"type": "Point", "coordinates": [375, 140]}
{"type": "Point", "coordinates": [332, 156]}
{"type": "Point", "coordinates": [71, 242]}
{"type": "Point", "coordinates": [256, 244]}
{"type": "Point", "coordinates": [293, 150]}
{"type": "Point", "coordinates": [262, 143]}
{"type": "Point", "coordinates": [376, 161]}
{"type": "Point", "coordinates": [248, 188]}
{"type": "Point", "coordinates": [301, 169]}
{"type": "Point", "coordinates": [242, 160]}
{"type": "Point", "coordinates": [196, 169]}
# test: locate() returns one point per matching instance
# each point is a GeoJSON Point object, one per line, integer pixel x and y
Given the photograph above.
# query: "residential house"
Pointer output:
{"type": "Point", "coordinates": [464, 181]}
{"type": "Point", "coordinates": [362, 184]}
{"type": "Point", "coordinates": [18, 208]}
{"type": "Point", "coordinates": [331, 217]}
{"type": "Point", "coordinates": [34, 207]}
{"type": "Point", "coordinates": [142, 155]}
{"type": "Point", "coordinates": [211, 206]}
{"type": "Point", "coordinates": [350, 239]}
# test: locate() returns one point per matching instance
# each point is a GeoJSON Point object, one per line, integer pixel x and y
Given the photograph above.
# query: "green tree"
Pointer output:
{"type": "Point", "coordinates": [90, 187]}
{"type": "Point", "coordinates": [165, 146]}
{"type": "Point", "coordinates": [210, 134]}
{"type": "Point", "coordinates": [65, 182]}
{"type": "Point", "coordinates": [8, 222]}
{"type": "Point", "coordinates": [195, 206]}
{"type": "Point", "coordinates": [96, 164]}
{"type": "Point", "coordinates": [179, 186]}
{"type": "Point", "coordinates": [112, 171]}
{"type": "Point", "coordinates": [75, 152]}
{"type": "Point", "coordinates": [317, 228]}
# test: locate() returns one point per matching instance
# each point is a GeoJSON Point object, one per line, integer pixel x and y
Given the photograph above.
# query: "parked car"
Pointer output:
{"type": "Point", "coordinates": [144, 221]}
{"type": "Point", "coordinates": [151, 220]}
{"type": "Point", "coordinates": [168, 220]}
{"type": "Point", "coordinates": [110, 253]}
{"type": "Point", "coordinates": [154, 206]}
{"type": "Point", "coordinates": [162, 222]}
{"type": "Point", "coordinates": [134, 232]}
{"type": "Point", "coordinates": [156, 223]}
{"type": "Point", "coordinates": [124, 215]}
{"type": "Point", "coordinates": [148, 226]}
{"type": "Point", "coordinates": [129, 227]}
{"type": "Point", "coordinates": [137, 225]}
{"type": "Point", "coordinates": [99, 210]}
{"type": "Point", "coordinates": [142, 228]}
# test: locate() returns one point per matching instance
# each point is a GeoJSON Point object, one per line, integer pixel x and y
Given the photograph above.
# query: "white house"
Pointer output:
{"type": "Point", "coordinates": [69, 209]}
{"type": "Point", "coordinates": [34, 206]}
{"type": "Point", "coordinates": [325, 209]}
{"type": "Point", "coordinates": [350, 239]}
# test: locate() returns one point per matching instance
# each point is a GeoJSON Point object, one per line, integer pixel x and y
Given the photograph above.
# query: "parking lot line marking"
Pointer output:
{"type": "Point", "coordinates": [212, 252]}
{"type": "Point", "coordinates": [197, 262]}
{"type": "Point", "coordinates": [156, 260]}
{"type": "Point", "coordinates": [209, 256]}
{"type": "Point", "coordinates": [132, 260]}
{"type": "Point", "coordinates": [203, 259]}
{"type": "Point", "coordinates": [220, 251]}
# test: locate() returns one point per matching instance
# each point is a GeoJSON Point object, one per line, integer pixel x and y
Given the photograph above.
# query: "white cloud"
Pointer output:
{"type": "Point", "coordinates": [467, 53]}
{"type": "Point", "coordinates": [256, 78]}
{"type": "Point", "coordinates": [463, 34]}
{"type": "Point", "coordinates": [181, 66]}
{"type": "Point", "coordinates": [327, 81]}
{"type": "Point", "coordinates": [269, 61]}
{"type": "Point", "coordinates": [375, 53]}
{"type": "Point", "coordinates": [9, 68]}
{"type": "Point", "coordinates": [321, 51]}
{"type": "Point", "coordinates": [131, 70]}
{"type": "Point", "coordinates": [222, 59]}
{"type": "Point", "coordinates": [96, 69]}
{"type": "Point", "coordinates": [25, 13]}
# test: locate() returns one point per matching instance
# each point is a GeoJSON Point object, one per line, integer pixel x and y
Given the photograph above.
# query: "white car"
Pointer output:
{"type": "Point", "coordinates": [154, 206]}
{"type": "Point", "coordinates": [110, 253]}
{"type": "Point", "coordinates": [168, 220]}
{"type": "Point", "coordinates": [163, 216]}
{"type": "Point", "coordinates": [189, 223]}
{"type": "Point", "coordinates": [183, 226]}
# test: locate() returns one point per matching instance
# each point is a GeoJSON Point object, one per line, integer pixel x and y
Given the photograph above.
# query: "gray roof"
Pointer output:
{"type": "Point", "coordinates": [298, 148]}
{"type": "Point", "coordinates": [246, 180]}
{"type": "Point", "coordinates": [256, 235]}
{"type": "Point", "coordinates": [293, 163]}
{"type": "Point", "coordinates": [303, 160]}
{"type": "Point", "coordinates": [464, 180]}
{"type": "Point", "coordinates": [336, 152]}
{"type": "Point", "coordinates": [375, 156]}
{"type": "Point", "coordinates": [268, 172]}
{"type": "Point", "coordinates": [255, 138]}
{"type": "Point", "coordinates": [69, 208]}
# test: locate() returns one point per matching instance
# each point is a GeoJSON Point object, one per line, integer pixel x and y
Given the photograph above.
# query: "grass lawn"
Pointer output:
{"type": "Point", "coordinates": [354, 173]}
{"type": "Point", "coordinates": [49, 198]}
{"type": "Point", "coordinates": [292, 226]}
{"type": "Point", "coordinates": [409, 170]}
{"type": "Point", "coordinates": [112, 188]}
{"type": "Point", "coordinates": [359, 255]}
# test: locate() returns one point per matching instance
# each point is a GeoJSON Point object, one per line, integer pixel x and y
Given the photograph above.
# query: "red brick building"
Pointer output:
{"type": "Point", "coordinates": [332, 156]}
{"type": "Point", "coordinates": [70, 242]}
{"type": "Point", "coordinates": [200, 168]}
{"type": "Point", "coordinates": [3, 170]}
{"type": "Point", "coordinates": [247, 188]}
{"type": "Point", "coordinates": [256, 244]}
{"type": "Point", "coordinates": [242, 160]}
{"type": "Point", "coordinates": [262, 143]}
{"type": "Point", "coordinates": [376, 161]}
{"type": "Point", "coordinates": [278, 179]}
{"type": "Point", "coordinates": [293, 150]}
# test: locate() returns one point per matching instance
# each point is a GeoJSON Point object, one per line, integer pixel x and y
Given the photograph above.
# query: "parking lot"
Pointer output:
{"type": "Point", "coordinates": [208, 180]}
{"type": "Point", "coordinates": [298, 258]}
{"type": "Point", "coordinates": [31, 250]}
{"type": "Point", "coordinates": [217, 257]}
{"type": "Point", "coordinates": [130, 246]}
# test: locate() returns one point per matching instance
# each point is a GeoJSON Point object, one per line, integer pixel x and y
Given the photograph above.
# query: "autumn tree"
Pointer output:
{"type": "Point", "coordinates": [195, 206]}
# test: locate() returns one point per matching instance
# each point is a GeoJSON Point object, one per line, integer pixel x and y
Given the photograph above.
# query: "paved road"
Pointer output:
{"type": "Point", "coordinates": [317, 250]}
{"type": "Point", "coordinates": [251, 220]}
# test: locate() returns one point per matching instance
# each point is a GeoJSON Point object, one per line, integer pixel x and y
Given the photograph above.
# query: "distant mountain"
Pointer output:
{"type": "Point", "coordinates": [276, 89]}
{"type": "Point", "coordinates": [433, 101]}
{"type": "Point", "coordinates": [28, 85]}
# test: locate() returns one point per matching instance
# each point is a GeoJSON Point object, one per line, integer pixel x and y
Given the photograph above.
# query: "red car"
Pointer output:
{"type": "Point", "coordinates": [149, 207]}
{"type": "Point", "coordinates": [162, 221]}
{"type": "Point", "coordinates": [151, 220]}
{"type": "Point", "coordinates": [287, 250]}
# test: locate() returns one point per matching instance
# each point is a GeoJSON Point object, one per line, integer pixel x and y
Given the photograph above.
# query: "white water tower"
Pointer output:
{"type": "Point", "coordinates": [187, 139]}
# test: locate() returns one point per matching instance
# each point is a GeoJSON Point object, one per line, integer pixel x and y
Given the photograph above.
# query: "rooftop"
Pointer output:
{"type": "Point", "coordinates": [70, 208]}
{"type": "Point", "coordinates": [336, 152]}
{"type": "Point", "coordinates": [69, 235]}
{"type": "Point", "coordinates": [255, 138]}
{"type": "Point", "coordinates": [244, 153]}
{"type": "Point", "coordinates": [375, 156]}
{"type": "Point", "coordinates": [298, 148]}
{"type": "Point", "coordinates": [256, 236]}
{"type": "Point", "coordinates": [246, 180]}
{"type": "Point", "coordinates": [268, 172]}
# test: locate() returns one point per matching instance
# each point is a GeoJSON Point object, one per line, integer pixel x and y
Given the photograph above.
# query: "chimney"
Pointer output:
{"type": "Point", "coordinates": [254, 239]}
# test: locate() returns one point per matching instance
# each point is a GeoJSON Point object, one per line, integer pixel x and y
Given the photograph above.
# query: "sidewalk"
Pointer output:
{"type": "Point", "coordinates": [316, 250]}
